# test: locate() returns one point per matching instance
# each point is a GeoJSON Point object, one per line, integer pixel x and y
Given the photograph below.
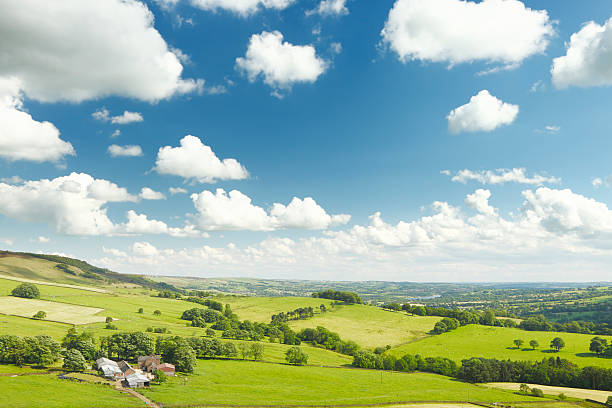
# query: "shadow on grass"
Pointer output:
{"type": "Point", "coordinates": [592, 355]}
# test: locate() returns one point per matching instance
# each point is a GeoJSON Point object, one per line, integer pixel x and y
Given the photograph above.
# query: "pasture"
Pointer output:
{"type": "Point", "coordinates": [244, 382]}
{"type": "Point", "coordinates": [497, 342]}
{"type": "Point", "coordinates": [57, 312]}
{"type": "Point", "coordinates": [27, 391]}
{"type": "Point", "coordinates": [370, 326]}
{"type": "Point", "coordinates": [261, 309]}
{"type": "Point", "coordinates": [594, 395]}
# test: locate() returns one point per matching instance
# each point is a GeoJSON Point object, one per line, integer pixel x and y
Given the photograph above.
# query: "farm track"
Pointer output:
{"type": "Point", "coordinates": [62, 285]}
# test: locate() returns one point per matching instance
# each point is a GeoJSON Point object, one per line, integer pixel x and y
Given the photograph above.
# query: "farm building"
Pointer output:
{"type": "Point", "coordinates": [137, 380]}
{"type": "Point", "coordinates": [151, 363]}
{"type": "Point", "coordinates": [109, 368]}
{"type": "Point", "coordinates": [126, 368]}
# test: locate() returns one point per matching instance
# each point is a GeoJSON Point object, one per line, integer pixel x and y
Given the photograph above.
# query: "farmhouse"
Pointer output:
{"type": "Point", "coordinates": [109, 368]}
{"type": "Point", "coordinates": [151, 363]}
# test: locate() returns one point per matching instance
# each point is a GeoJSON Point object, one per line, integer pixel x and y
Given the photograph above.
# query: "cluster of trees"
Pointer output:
{"type": "Point", "coordinates": [346, 297]}
{"type": "Point", "coordinates": [551, 371]}
{"type": "Point", "coordinates": [556, 344]}
{"type": "Point", "coordinates": [127, 346]}
{"type": "Point", "coordinates": [325, 338]}
{"type": "Point", "coordinates": [27, 291]}
{"type": "Point", "coordinates": [300, 313]}
{"type": "Point", "coordinates": [408, 363]}
{"type": "Point", "coordinates": [295, 355]}
{"type": "Point", "coordinates": [232, 328]}
{"type": "Point", "coordinates": [540, 323]}
{"type": "Point", "coordinates": [601, 347]}
{"type": "Point", "coordinates": [444, 325]}
{"type": "Point", "coordinates": [39, 350]}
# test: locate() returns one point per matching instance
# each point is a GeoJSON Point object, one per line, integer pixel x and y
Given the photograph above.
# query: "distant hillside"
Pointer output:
{"type": "Point", "coordinates": [59, 269]}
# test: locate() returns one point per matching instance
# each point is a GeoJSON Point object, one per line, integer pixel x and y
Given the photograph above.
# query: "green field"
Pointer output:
{"type": "Point", "coordinates": [261, 309]}
{"type": "Point", "coordinates": [28, 391]}
{"type": "Point", "coordinates": [371, 326]}
{"type": "Point", "coordinates": [25, 267]}
{"type": "Point", "coordinates": [57, 312]}
{"type": "Point", "coordinates": [241, 382]}
{"type": "Point", "coordinates": [496, 342]}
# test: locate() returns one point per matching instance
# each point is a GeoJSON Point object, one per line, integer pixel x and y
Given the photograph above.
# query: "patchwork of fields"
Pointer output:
{"type": "Point", "coordinates": [57, 312]}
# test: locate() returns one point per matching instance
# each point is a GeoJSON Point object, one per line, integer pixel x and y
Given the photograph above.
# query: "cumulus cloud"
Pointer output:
{"type": "Point", "coordinates": [140, 66]}
{"type": "Point", "coordinates": [241, 7]}
{"type": "Point", "coordinates": [483, 113]}
{"type": "Point", "coordinates": [551, 234]}
{"type": "Point", "coordinates": [330, 8]}
{"type": "Point", "coordinates": [147, 193]}
{"type": "Point", "coordinates": [43, 240]}
{"type": "Point", "coordinates": [587, 59]}
{"type": "Point", "coordinates": [194, 160]}
{"type": "Point", "coordinates": [501, 176]}
{"type": "Point", "coordinates": [22, 137]}
{"type": "Point", "coordinates": [126, 117]}
{"type": "Point", "coordinates": [235, 211]}
{"type": "Point", "coordinates": [280, 63]}
{"type": "Point", "coordinates": [456, 31]}
{"type": "Point", "coordinates": [76, 205]}
{"type": "Point", "coordinates": [597, 182]}
{"type": "Point", "coordinates": [124, 151]}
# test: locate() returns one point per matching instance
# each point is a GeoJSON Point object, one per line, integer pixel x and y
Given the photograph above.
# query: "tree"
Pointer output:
{"type": "Point", "coordinates": [109, 319]}
{"type": "Point", "coordinates": [159, 377]}
{"type": "Point", "coordinates": [524, 389]}
{"type": "Point", "coordinates": [141, 310]}
{"type": "Point", "coordinates": [83, 342]}
{"type": "Point", "coordinates": [534, 344]}
{"type": "Point", "coordinates": [210, 332]}
{"type": "Point", "coordinates": [26, 290]}
{"type": "Point", "coordinates": [257, 351]}
{"type": "Point", "coordinates": [40, 315]}
{"type": "Point", "coordinates": [228, 350]}
{"type": "Point", "coordinates": [244, 350]}
{"type": "Point", "coordinates": [536, 392]}
{"type": "Point", "coordinates": [74, 361]}
{"type": "Point", "coordinates": [609, 402]}
{"type": "Point", "coordinates": [295, 356]}
{"type": "Point", "coordinates": [598, 345]}
{"type": "Point", "coordinates": [184, 358]}
{"type": "Point", "coordinates": [518, 343]}
{"type": "Point", "coordinates": [157, 313]}
{"type": "Point", "coordinates": [557, 343]}
{"type": "Point", "coordinates": [41, 350]}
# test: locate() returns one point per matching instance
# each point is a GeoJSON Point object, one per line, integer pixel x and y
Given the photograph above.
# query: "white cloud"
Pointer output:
{"type": "Point", "coordinates": [552, 128]}
{"type": "Point", "coordinates": [22, 137]}
{"type": "Point", "coordinates": [235, 211]}
{"type": "Point", "coordinates": [549, 236]}
{"type": "Point", "coordinates": [11, 180]}
{"type": "Point", "coordinates": [483, 113]}
{"type": "Point", "coordinates": [195, 160]}
{"type": "Point", "coordinates": [177, 190]}
{"type": "Point", "coordinates": [330, 8]}
{"type": "Point", "coordinates": [7, 241]}
{"type": "Point", "coordinates": [241, 7]}
{"type": "Point", "coordinates": [501, 176]}
{"type": "Point", "coordinates": [597, 182]}
{"type": "Point", "coordinates": [587, 59]}
{"type": "Point", "coordinates": [336, 47]}
{"type": "Point", "coordinates": [144, 248]}
{"type": "Point", "coordinates": [71, 204]}
{"type": "Point", "coordinates": [43, 240]}
{"type": "Point", "coordinates": [115, 134]}
{"type": "Point", "coordinates": [139, 224]}
{"type": "Point", "coordinates": [125, 151]}
{"type": "Point", "coordinates": [149, 194]}
{"type": "Point", "coordinates": [281, 64]}
{"type": "Point", "coordinates": [96, 64]}
{"type": "Point", "coordinates": [126, 117]}
{"type": "Point", "coordinates": [455, 31]}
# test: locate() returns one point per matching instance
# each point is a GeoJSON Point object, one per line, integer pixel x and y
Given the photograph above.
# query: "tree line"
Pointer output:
{"type": "Point", "coordinates": [346, 297]}
{"type": "Point", "coordinates": [301, 313]}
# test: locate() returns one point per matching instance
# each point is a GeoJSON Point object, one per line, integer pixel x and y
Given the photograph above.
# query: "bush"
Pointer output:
{"type": "Point", "coordinates": [157, 313]}
{"type": "Point", "coordinates": [110, 326]}
{"type": "Point", "coordinates": [296, 356]}
{"type": "Point", "coordinates": [562, 397]}
{"type": "Point", "coordinates": [210, 332]}
{"type": "Point", "coordinates": [159, 377]}
{"type": "Point", "coordinates": [524, 389]}
{"type": "Point", "coordinates": [536, 392]}
{"type": "Point", "coordinates": [109, 319]}
{"type": "Point", "coordinates": [40, 315]}
{"type": "Point", "coordinates": [609, 402]}
{"type": "Point", "coordinates": [74, 361]}
{"type": "Point", "coordinates": [141, 310]}
{"type": "Point", "coordinates": [26, 290]}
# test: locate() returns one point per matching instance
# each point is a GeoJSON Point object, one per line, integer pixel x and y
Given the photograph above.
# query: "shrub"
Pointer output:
{"type": "Point", "coordinates": [536, 392]}
{"type": "Point", "coordinates": [109, 319]}
{"type": "Point", "coordinates": [159, 377]}
{"type": "Point", "coordinates": [110, 326]}
{"type": "Point", "coordinates": [40, 315]}
{"type": "Point", "coordinates": [141, 310]}
{"type": "Point", "coordinates": [524, 389]}
{"type": "Point", "coordinates": [210, 332]}
{"type": "Point", "coordinates": [296, 356]}
{"type": "Point", "coordinates": [562, 397]}
{"type": "Point", "coordinates": [157, 313]}
{"type": "Point", "coordinates": [609, 402]}
{"type": "Point", "coordinates": [26, 290]}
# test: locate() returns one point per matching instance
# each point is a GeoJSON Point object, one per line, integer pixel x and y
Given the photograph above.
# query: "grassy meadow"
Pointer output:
{"type": "Point", "coordinates": [261, 309]}
{"type": "Point", "coordinates": [244, 382]}
{"type": "Point", "coordinates": [497, 342]}
{"type": "Point", "coordinates": [57, 312]}
{"type": "Point", "coordinates": [371, 326]}
{"type": "Point", "coordinates": [27, 391]}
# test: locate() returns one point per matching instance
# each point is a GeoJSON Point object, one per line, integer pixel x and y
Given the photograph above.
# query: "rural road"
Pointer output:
{"type": "Point", "coordinates": [141, 397]}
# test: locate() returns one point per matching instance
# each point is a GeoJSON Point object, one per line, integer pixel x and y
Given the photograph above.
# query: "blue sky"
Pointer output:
{"type": "Point", "coordinates": [323, 106]}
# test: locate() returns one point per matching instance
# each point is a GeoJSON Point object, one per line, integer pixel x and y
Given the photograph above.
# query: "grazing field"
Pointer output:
{"type": "Point", "coordinates": [57, 312]}
{"type": "Point", "coordinates": [19, 326]}
{"type": "Point", "coordinates": [30, 268]}
{"type": "Point", "coordinates": [370, 326]}
{"type": "Point", "coordinates": [243, 382]}
{"type": "Point", "coordinates": [496, 342]}
{"type": "Point", "coordinates": [27, 391]}
{"type": "Point", "coordinates": [261, 309]}
{"type": "Point", "coordinates": [594, 395]}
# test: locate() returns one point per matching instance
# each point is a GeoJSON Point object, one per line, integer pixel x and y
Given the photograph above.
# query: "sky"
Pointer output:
{"type": "Point", "coordinates": [400, 140]}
